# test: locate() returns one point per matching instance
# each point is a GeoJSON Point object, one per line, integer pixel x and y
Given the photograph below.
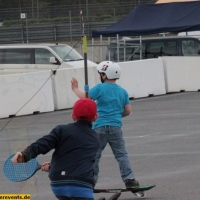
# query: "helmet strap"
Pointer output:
{"type": "Point", "coordinates": [101, 76]}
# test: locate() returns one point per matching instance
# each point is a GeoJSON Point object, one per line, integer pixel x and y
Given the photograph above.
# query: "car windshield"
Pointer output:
{"type": "Point", "coordinates": [67, 53]}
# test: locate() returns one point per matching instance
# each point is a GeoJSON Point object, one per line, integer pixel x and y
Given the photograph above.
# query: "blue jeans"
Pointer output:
{"type": "Point", "coordinates": [113, 136]}
{"type": "Point", "coordinates": [70, 192]}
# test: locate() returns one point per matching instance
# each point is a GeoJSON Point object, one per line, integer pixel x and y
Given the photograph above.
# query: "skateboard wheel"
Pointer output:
{"type": "Point", "coordinates": [140, 194]}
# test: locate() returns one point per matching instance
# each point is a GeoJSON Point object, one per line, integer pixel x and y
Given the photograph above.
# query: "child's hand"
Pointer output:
{"type": "Point", "coordinates": [74, 83]}
{"type": "Point", "coordinates": [18, 158]}
{"type": "Point", "coordinates": [46, 166]}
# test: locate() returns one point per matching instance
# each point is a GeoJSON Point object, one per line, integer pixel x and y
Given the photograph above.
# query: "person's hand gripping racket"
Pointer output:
{"type": "Point", "coordinates": [46, 166]}
{"type": "Point", "coordinates": [18, 158]}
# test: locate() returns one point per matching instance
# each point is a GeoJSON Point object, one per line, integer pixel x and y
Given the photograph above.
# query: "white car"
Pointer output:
{"type": "Point", "coordinates": [23, 58]}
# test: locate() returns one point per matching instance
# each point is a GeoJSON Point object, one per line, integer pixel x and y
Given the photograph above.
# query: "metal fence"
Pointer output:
{"type": "Point", "coordinates": [48, 32]}
{"type": "Point", "coordinates": [38, 23]}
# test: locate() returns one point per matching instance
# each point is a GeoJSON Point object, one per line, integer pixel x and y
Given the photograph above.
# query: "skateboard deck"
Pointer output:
{"type": "Point", "coordinates": [133, 190]}
{"type": "Point", "coordinates": [137, 191]}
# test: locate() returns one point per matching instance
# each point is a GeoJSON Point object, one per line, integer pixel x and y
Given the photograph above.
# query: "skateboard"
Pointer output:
{"type": "Point", "coordinates": [138, 191]}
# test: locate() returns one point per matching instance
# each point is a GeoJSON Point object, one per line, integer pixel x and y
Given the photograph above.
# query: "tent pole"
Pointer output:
{"type": "Point", "coordinates": [117, 48]}
{"type": "Point", "coordinates": [109, 48]}
{"type": "Point", "coordinates": [140, 47]}
{"type": "Point", "coordinates": [101, 47]}
{"type": "Point", "coordinates": [93, 49]}
{"type": "Point", "coordinates": [124, 50]}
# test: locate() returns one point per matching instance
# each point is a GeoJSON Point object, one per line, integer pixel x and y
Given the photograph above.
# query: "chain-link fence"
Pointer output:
{"type": "Point", "coordinates": [37, 13]}
{"type": "Point", "coordinates": [29, 21]}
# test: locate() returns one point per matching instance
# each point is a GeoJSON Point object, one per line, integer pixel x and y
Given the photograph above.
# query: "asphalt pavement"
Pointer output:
{"type": "Point", "coordinates": [162, 138]}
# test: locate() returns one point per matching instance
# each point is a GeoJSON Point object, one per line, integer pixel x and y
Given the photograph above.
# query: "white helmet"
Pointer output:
{"type": "Point", "coordinates": [111, 69]}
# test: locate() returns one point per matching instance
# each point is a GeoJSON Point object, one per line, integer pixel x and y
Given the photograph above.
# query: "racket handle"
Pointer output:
{"type": "Point", "coordinates": [39, 167]}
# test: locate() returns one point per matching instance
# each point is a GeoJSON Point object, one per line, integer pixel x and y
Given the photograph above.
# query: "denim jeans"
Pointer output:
{"type": "Point", "coordinates": [70, 192]}
{"type": "Point", "coordinates": [113, 136]}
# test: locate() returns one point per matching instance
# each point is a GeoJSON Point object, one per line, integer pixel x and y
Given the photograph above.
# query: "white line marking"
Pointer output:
{"type": "Point", "coordinates": [141, 136]}
{"type": "Point", "coordinates": [158, 154]}
{"type": "Point", "coordinates": [155, 134]}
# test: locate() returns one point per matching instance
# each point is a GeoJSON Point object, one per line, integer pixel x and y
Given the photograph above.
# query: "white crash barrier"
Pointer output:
{"type": "Point", "coordinates": [181, 73]}
{"type": "Point", "coordinates": [143, 78]}
{"type": "Point", "coordinates": [64, 97]}
{"type": "Point", "coordinates": [17, 90]}
{"type": "Point", "coordinates": [140, 78]}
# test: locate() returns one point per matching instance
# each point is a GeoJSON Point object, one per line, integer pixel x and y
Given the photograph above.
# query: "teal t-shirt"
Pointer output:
{"type": "Point", "coordinates": [111, 99]}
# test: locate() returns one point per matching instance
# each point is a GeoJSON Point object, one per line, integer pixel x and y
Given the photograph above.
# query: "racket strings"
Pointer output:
{"type": "Point", "coordinates": [19, 171]}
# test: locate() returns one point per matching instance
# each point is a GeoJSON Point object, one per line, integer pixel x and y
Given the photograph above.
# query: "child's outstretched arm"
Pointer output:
{"type": "Point", "coordinates": [75, 89]}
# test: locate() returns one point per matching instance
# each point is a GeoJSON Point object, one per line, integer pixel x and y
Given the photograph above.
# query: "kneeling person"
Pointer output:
{"type": "Point", "coordinates": [76, 144]}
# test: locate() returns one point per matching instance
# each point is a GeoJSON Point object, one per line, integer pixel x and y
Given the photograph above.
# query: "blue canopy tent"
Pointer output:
{"type": "Point", "coordinates": [147, 19]}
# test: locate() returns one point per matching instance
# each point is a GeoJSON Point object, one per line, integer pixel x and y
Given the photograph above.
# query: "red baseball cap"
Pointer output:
{"type": "Point", "coordinates": [85, 109]}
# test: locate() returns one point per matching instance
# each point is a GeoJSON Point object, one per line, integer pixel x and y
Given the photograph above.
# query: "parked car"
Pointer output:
{"type": "Point", "coordinates": [129, 49]}
{"type": "Point", "coordinates": [18, 58]}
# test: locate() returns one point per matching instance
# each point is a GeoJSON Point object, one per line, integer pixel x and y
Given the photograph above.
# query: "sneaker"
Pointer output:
{"type": "Point", "coordinates": [131, 183]}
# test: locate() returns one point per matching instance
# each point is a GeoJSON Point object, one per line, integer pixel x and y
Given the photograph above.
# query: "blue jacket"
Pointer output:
{"type": "Point", "coordinates": [75, 147]}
